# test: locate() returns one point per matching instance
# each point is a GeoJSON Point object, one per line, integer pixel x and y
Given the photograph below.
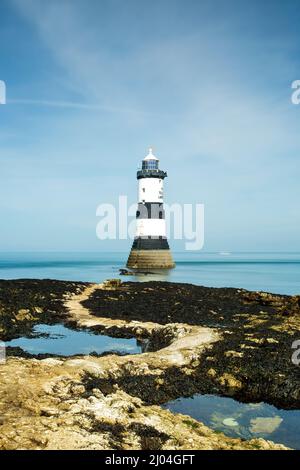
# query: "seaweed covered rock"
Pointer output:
{"type": "Point", "coordinates": [26, 302]}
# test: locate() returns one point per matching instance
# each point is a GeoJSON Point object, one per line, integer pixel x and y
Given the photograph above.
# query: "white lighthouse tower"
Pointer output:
{"type": "Point", "coordinates": [150, 248]}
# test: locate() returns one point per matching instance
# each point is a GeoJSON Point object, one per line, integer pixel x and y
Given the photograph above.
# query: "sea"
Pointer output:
{"type": "Point", "coordinates": [270, 272]}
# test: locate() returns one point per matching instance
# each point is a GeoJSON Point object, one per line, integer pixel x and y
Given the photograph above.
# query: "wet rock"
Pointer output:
{"type": "Point", "coordinates": [163, 337]}
{"type": "Point", "coordinates": [112, 284]}
{"type": "Point", "coordinates": [265, 425]}
{"type": "Point", "coordinates": [230, 422]}
{"type": "Point", "coordinates": [233, 354]}
{"type": "Point", "coordinates": [24, 314]}
{"type": "Point", "coordinates": [230, 383]}
{"type": "Point", "coordinates": [126, 272]}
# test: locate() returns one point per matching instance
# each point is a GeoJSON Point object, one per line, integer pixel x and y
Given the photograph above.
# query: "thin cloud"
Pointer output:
{"type": "Point", "coordinates": [76, 105]}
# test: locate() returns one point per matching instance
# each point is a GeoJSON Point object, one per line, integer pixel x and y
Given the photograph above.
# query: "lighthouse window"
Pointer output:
{"type": "Point", "coordinates": [160, 214]}
{"type": "Point", "coordinates": [150, 165]}
{"type": "Point", "coordinates": [143, 190]}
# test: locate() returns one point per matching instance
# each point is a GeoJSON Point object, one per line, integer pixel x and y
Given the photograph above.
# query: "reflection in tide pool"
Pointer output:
{"type": "Point", "coordinates": [62, 341]}
{"type": "Point", "coordinates": [242, 420]}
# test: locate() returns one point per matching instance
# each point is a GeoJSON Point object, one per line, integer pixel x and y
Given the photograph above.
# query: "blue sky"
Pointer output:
{"type": "Point", "coordinates": [91, 84]}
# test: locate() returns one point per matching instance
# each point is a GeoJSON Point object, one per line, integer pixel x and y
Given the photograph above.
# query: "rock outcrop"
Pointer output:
{"type": "Point", "coordinates": [197, 340]}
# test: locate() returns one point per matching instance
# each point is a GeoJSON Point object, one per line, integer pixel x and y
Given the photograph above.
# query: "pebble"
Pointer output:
{"type": "Point", "coordinates": [230, 422]}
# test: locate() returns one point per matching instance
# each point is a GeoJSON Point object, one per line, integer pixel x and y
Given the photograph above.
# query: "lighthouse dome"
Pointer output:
{"type": "Point", "coordinates": [150, 162]}
{"type": "Point", "coordinates": [150, 155]}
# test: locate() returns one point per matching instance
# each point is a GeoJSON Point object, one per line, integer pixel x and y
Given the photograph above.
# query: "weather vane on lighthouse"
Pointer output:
{"type": "Point", "coordinates": [150, 247]}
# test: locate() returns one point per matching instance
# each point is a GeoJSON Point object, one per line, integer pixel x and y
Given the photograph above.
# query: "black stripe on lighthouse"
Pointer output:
{"type": "Point", "coordinates": [150, 210]}
{"type": "Point", "coordinates": [151, 174]}
{"type": "Point", "coordinates": [150, 243]}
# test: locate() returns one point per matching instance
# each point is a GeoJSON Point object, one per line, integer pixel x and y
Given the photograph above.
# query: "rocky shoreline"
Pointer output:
{"type": "Point", "coordinates": [229, 342]}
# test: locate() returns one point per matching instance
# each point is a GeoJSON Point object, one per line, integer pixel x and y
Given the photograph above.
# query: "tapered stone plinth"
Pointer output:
{"type": "Point", "coordinates": [150, 259]}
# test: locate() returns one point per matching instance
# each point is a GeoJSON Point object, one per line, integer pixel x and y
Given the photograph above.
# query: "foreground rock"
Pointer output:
{"type": "Point", "coordinates": [48, 404]}
{"type": "Point", "coordinates": [199, 340]}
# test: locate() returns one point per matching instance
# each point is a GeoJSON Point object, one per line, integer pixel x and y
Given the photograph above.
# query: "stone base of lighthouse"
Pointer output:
{"type": "Point", "coordinates": [150, 253]}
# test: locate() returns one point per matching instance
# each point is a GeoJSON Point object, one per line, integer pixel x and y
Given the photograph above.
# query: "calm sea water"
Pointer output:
{"type": "Point", "coordinates": [272, 272]}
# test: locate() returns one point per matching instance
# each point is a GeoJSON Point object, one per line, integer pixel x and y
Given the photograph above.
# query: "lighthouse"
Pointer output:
{"type": "Point", "coordinates": [150, 249]}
